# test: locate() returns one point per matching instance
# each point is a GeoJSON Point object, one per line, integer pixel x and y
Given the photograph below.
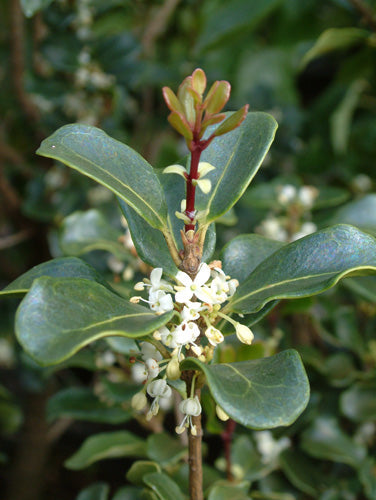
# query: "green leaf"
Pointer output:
{"type": "Point", "coordinates": [111, 163]}
{"type": "Point", "coordinates": [97, 491]}
{"type": "Point", "coordinates": [60, 316]}
{"type": "Point", "coordinates": [367, 477]}
{"type": "Point", "coordinates": [229, 18]}
{"type": "Point", "coordinates": [62, 267]}
{"type": "Point", "coordinates": [245, 252]}
{"type": "Point", "coordinates": [325, 440]}
{"type": "Point", "coordinates": [306, 267]}
{"type": "Point", "coordinates": [128, 493]}
{"type": "Point", "coordinates": [139, 469]}
{"type": "Point", "coordinates": [361, 213]}
{"type": "Point", "coordinates": [335, 39]}
{"type": "Point", "coordinates": [236, 157]}
{"type": "Point", "coordinates": [164, 449]}
{"type": "Point", "coordinates": [106, 445]}
{"type": "Point", "coordinates": [260, 394]}
{"type": "Point", "coordinates": [82, 232]}
{"type": "Point", "coordinates": [359, 402]}
{"type": "Point", "coordinates": [228, 491]}
{"type": "Point", "coordinates": [80, 403]}
{"type": "Point", "coordinates": [163, 486]}
{"type": "Point", "coordinates": [302, 472]}
{"type": "Point", "coordinates": [364, 286]}
{"type": "Point", "coordinates": [30, 7]}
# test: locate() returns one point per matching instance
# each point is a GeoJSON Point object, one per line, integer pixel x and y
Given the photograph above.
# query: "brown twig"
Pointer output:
{"type": "Point", "coordinates": [157, 26]}
{"type": "Point", "coordinates": [18, 63]}
{"type": "Point", "coordinates": [366, 12]}
{"type": "Point", "coordinates": [227, 436]}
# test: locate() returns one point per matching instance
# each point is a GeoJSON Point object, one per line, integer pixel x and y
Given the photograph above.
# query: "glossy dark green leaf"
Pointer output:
{"type": "Point", "coordinates": [113, 164]}
{"type": "Point", "coordinates": [367, 477]}
{"type": "Point", "coordinates": [245, 252]}
{"type": "Point", "coordinates": [82, 232]}
{"type": "Point", "coordinates": [324, 439]}
{"type": "Point", "coordinates": [359, 402]}
{"type": "Point", "coordinates": [139, 469]}
{"type": "Point", "coordinates": [60, 316]}
{"type": "Point", "coordinates": [62, 267]}
{"type": "Point", "coordinates": [361, 213]}
{"type": "Point", "coordinates": [236, 157]}
{"type": "Point", "coordinates": [260, 394]}
{"type": "Point", "coordinates": [164, 487]}
{"type": "Point", "coordinates": [106, 445]}
{"type": "Point", "coordinates": [306, 267]}
{"type": "Point", "coordinates": [30, 7]}
{"type": "Point", "coordinates": [165, 449]}
{"type": "Point", "coordinates": [335, 39]}
{"type": "Point", "coordinates": [97, 491]}
{"type": "Point", "coordinates": [80, 403]}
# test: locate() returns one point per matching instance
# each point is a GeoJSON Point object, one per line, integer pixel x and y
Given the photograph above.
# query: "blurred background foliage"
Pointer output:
{"type": "Point", "coordinates": [310, 63]}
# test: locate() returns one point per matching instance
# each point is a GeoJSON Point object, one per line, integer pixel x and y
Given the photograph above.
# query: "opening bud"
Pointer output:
{"type": "Point", "coordinates": [244, 334]}
{"type": "Point", "coordinates": [139, 401]}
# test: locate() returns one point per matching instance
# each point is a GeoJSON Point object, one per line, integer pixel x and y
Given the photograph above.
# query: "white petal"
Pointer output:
{"type": "Point", "coordinates": [183, 296]}
{"type": "Point", "coordinates": [155, 277]}
{"type": "Point", "coordinates": [203, 274]}
{"type": "Point", "coordinates": [183, 278]}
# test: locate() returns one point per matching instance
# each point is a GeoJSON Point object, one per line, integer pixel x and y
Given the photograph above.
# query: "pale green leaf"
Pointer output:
{"type": "Point", "coordinates": [97, 491]}
{"type": "Point", "coordinates": [164, 487]}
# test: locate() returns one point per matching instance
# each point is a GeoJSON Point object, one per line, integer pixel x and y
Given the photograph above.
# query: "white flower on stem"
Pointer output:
{"type": "Point", "coordinates": [191, 310]}
{"type": "Point", "coordinates": [139, 373]}
{"type": "Point", "coordinates": [270, 448]}
{"type": "Point", "coordinates": [190, 407]}
{"type": "Point", "coordinates": [157, 283]}
{"type": "Point", "coordinates": [152, 368]}
{"type": "Point", "coordinates": [307, 195]}
{"type": "Point", "coordinates": [214, 336]}
{"type": "Point", "coordinates": [191, 287]}
{"type": "Point", "coordinates": [160, 301]}
{"type": "Point", "coordinates": [148, 350]}
{"type": "Point", "coordinates": [166, 337]}
{"type": "Point", "coordinates": [244, 334]}
{"type": "Point", "coordinates": [186, 333]}
{"type": "Point", "coordinates": [157, 389]}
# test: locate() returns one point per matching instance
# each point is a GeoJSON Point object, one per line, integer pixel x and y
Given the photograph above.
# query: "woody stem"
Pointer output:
{"type": "Point", "coordinates": [196, 151]}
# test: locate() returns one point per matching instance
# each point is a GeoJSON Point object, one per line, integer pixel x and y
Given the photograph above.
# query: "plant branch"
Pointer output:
{"type": "Point", "coordinates": [157, 26]}
{"type": "Point", "coordinates": [367, 13]}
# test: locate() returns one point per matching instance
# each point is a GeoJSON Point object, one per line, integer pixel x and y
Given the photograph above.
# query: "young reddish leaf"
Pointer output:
{"type": "Point", "coordinates": [180, 124]}
{"type": "Point", "coordinates": [199, 81]}
{"type": "Point", "coordinates": [233, 121]}
{"type": "Point", "coordinates": [217, 97]}
{"type": "Point", "coordinates": [171, 100]}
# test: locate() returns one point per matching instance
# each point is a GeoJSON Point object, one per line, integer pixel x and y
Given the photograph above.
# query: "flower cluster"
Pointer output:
{"type": "Point", "coordinates": [197, 306]}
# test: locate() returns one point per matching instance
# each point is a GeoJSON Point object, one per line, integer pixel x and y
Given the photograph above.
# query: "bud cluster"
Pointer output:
{"type": "Point", "coordinates": [197, 304]}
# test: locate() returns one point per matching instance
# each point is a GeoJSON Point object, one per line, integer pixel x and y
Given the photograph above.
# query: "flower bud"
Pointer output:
{"type": "Point", "coordinates": [222, 415]}
{"type": "Point", "coordinates": [244, 334]}
{"type": "Point", "coordinates": [173, 370]}
{"type": "Point", "coordinates": [139, 401]}
{"type": "Point", "coordinates": [190, 406]}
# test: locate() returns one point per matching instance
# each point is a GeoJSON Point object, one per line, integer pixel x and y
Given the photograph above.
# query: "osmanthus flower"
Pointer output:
{"type": "Point", "coordinates": [186, 333]}
{"type": "Point", "coordinates": [190, 407]}
{"type": "Point", "coordinates": [191, 310]}
{"type": "Point", "coordinates": [191, 287]}
{"type": "Point", "coordinates": [159, 301]}
{"type": "Point", "coordinates": [166, 336]}
{"type": "Point", "coordinates": [148, 350]}
{"type": "Point", "coordinates": [214, 336]}
{"type": "Point", "coordinates": [157, 389]}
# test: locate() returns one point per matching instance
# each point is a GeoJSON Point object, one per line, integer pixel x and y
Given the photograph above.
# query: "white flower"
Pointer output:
{"type": "Point", "coordinates": [190, 407]}
{"type": "Point", "coordinates": [139, 373]}
{"type": "Point", "coordinates": [214, 336]}
{"type": "Point", "coordinates": [157, 283]}
{"type": "Point", "coordinates": [286, 194]}
{"type": "Point", "coordinates": [307, 195]}
{"type": "Point", "coordinates": [160, 301]}
{"type": "Point", "coordinates": [152, 368]}
{"type": "Point", "coordinates": [191, 287]}
{"type": "Point", "coordinates": [272, 228]}
{"type": "Point", "coordinates": [269, 447]}
{"type": "Point", "coordinates": [167, 337]}
{"type": "Point", "coordinates": [186, 333]}
{"type": "Point", "coordinates": [150, 351]}
{"type": "Point", "coordinates": [244, 334]}
{"type": "Point", "coordinates": [157, 389]}
{"type": "Point", "coordinates": [191, 310]}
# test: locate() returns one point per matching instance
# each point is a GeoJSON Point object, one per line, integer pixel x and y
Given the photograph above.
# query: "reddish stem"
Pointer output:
{"type": "Point", "coordinates": [227, 442]}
